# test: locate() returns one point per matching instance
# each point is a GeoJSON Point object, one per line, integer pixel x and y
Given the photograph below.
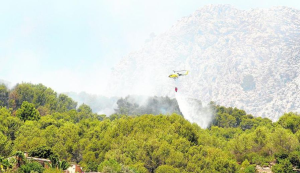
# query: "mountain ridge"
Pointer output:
{"type": "Point", "coordinates": [242, 58]}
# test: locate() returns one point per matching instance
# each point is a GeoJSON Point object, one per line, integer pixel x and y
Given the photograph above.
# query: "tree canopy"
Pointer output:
{"type": "Point", "coordinates": [28, 112]}
{"type": "Point", "coordinates": [138, 137]}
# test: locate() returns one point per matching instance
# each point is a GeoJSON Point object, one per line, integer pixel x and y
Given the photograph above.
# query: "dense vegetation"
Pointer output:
{"type": "Point", "coordinates": [150, 105]}
{"type": "Point", "coordinates": [35, 119]}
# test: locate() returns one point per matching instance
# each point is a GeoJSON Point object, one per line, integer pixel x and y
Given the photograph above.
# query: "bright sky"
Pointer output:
{"type": "Point", "coordinates": [71, 45]}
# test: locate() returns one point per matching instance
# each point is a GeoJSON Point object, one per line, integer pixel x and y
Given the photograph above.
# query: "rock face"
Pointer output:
{"type": "Point", "coordinates": [246, 59]}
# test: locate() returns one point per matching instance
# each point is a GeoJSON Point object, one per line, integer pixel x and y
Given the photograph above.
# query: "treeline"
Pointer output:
{"type": "Point", "coordinates": [48, 101]}
{"type": "Point", "coordinates": [137, 105]}
{"type": "Point", "coordinates": [259, 141]}
{"type": "Point", "coordinates": [234, 142]}
{"type": "Point", "coordinates": [44, 99]}
{"type": "Point", "coordinates": [98, 103]}
{"type": "Point", "coordinates": [129, 105]}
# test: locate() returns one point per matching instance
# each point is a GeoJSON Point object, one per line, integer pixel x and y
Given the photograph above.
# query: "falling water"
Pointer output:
{"type": "Point", "coordinates": [193, 110]}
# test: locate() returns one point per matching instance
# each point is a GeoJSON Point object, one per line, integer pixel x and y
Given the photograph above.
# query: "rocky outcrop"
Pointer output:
{"type": "Point", "coordinates": [246, 59]}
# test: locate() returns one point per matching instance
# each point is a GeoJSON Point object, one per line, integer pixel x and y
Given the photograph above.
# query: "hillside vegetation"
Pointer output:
{"type": "Point", "coordinates": [34, 118]}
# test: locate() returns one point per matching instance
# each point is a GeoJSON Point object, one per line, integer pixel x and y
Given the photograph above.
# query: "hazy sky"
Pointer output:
{"type": "Point", "coordinates": [71, 45]}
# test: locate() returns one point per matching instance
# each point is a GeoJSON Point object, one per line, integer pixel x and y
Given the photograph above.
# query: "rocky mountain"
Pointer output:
{"type": "Point", "coordinates": [243, 58]}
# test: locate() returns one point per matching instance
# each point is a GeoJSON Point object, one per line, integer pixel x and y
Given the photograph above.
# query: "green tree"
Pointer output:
{"type": "Point", "coordinates": [127, 106]}
{"type": "Point", "coordinates": [248, 123]}
{"type": "Point", "coordinates": [29, 136]}
{"type": "Point", "coordinates": [284, 166]}
{"type": "Point", "coordinates": [9, 124]}
{"type": "Point", "coordinates": [110, 166]}
{"type": "Point", "coordinates": [41, 152]}
{"type": "Point", "coordinates": [20, 157]}
{"type": "Point", "coordinates": [31, 167]}
{"type": "Point", "coordinates": [260, 138]}
{"type": "Point", "coordinates": [51, 99]}
{"type": "Point", "coordinates": [7, 164]}
{"type": "Point", "coordinates": [284, 141]}
{"type": "Point", "coordinates": [84, 112]}
{"type": "Point", "coordinates": [65, 103]}
{"type": "Point", "coordinates": [4, 95]}
{"type": "Point", "coordinates": [63, 165]}
{"type": "Point", "coordinates": [90, 161]}
{"type": "Point", "coordinates": [56, 163]}
{"type": "Point", "coordinates": [247, 168]}
{"type": "Point", "coordinates": [52, 170]}
{"type": "Point", "coordinates": [28, 112]}
{"type": "Point", "coordinates": [167, 169]}
{"type": "Point", "coordinates": [67, 146]}
{"type": "Point", "coordinates": [43, 110]}
{"type": "Point", "coordinates": [225, 120]}
{"type": "Point", "coordinates": [85, 109]}
{"type": "Point", "coordinates": [241, 145]}
{"type": "Point", "coordinates": [250, 169]}
{"type": "Point", "coordinates": [5, 145]}
{"type": "Point", "coordinates": [290, 121]}
{"type": "Point", "coordinates": [22, 92]}
{"type": "Point", "coordinates": [294, 158]}
{"type": "Point", "coordinates": [39, 98]}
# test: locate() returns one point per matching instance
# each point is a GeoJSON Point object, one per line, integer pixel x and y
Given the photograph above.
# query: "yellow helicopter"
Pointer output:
{"type": "Point", "coordinates": [176, 74]}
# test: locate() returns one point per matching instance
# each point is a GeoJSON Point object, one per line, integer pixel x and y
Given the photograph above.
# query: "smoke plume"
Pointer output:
{"type": "Point", "coordinates": [193, 110]}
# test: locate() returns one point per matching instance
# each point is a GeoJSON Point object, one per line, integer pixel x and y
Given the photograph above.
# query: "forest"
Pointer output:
{"type": "Point", "coordinates": [138, 139]}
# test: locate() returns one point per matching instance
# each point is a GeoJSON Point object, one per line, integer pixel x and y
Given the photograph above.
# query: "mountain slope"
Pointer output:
{"type": "Point", "coordinates": [247, 59]}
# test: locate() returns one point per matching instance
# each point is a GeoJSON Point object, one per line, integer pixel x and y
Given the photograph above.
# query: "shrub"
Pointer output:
{"type": "Point", "coordinates": [29, 167]}
{"type": "Point", "coordinates": [284, 166]}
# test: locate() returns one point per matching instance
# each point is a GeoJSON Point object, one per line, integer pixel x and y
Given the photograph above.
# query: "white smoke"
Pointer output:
{"type": "Point", "coordinates": [193, 110]}
{"type": "Point", "coordinates": [108, 111]}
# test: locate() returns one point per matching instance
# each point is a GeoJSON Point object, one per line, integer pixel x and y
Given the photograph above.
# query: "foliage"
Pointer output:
{"type": "Point", "coordinates": [65, 103]}
{"type": "Point", "coordinates": [290, 121]}
{"type": "Point", "coordinates": [167, 169]}
{"type": "Point", "coordinates": [41, 152]}
{"type": "Point", "coordinates": [4, 96]}
{"type": "Point", "coordinates": [284, 166]}
{"type": "Point", "coordinates": [233, 117]}
{"type": "Point", "coordinates": [294, 158]}
{"type": "Point", "coordinates": [284, 141]}
{"type": "Point", "coordinates": [52, 170]}
{"type": "Point", "coordinates": [21, 93]}
{"type": "Point", "coordinates": [247, 168]}
{"type": "Point", "coordinates": [20, 157]}
{"type": "Point", "coordinates": [31, 166]}
{"type": "Point", "coordinates": [28, 112]}
{"type": "Point", "coordinates": [153, 105]}
{"type": "Point", "coordinates": [9, 124]}
{"type": "Point", "coordinates": [5, 145]}
{"type": "Point", "coordinates": [6, 164]}
{"type": "Point", "coordinates": [56, 163]}
{"type": "Point", "coordinates": [84, 112]}
{"type": "Point", "coordinates": [110, 166]}
{"type": "Point", "coordinates": [135, 140]}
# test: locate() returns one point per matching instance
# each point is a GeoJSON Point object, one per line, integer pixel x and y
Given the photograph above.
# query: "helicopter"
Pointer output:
{"type": "Point", "coordinates": [177, 74]}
